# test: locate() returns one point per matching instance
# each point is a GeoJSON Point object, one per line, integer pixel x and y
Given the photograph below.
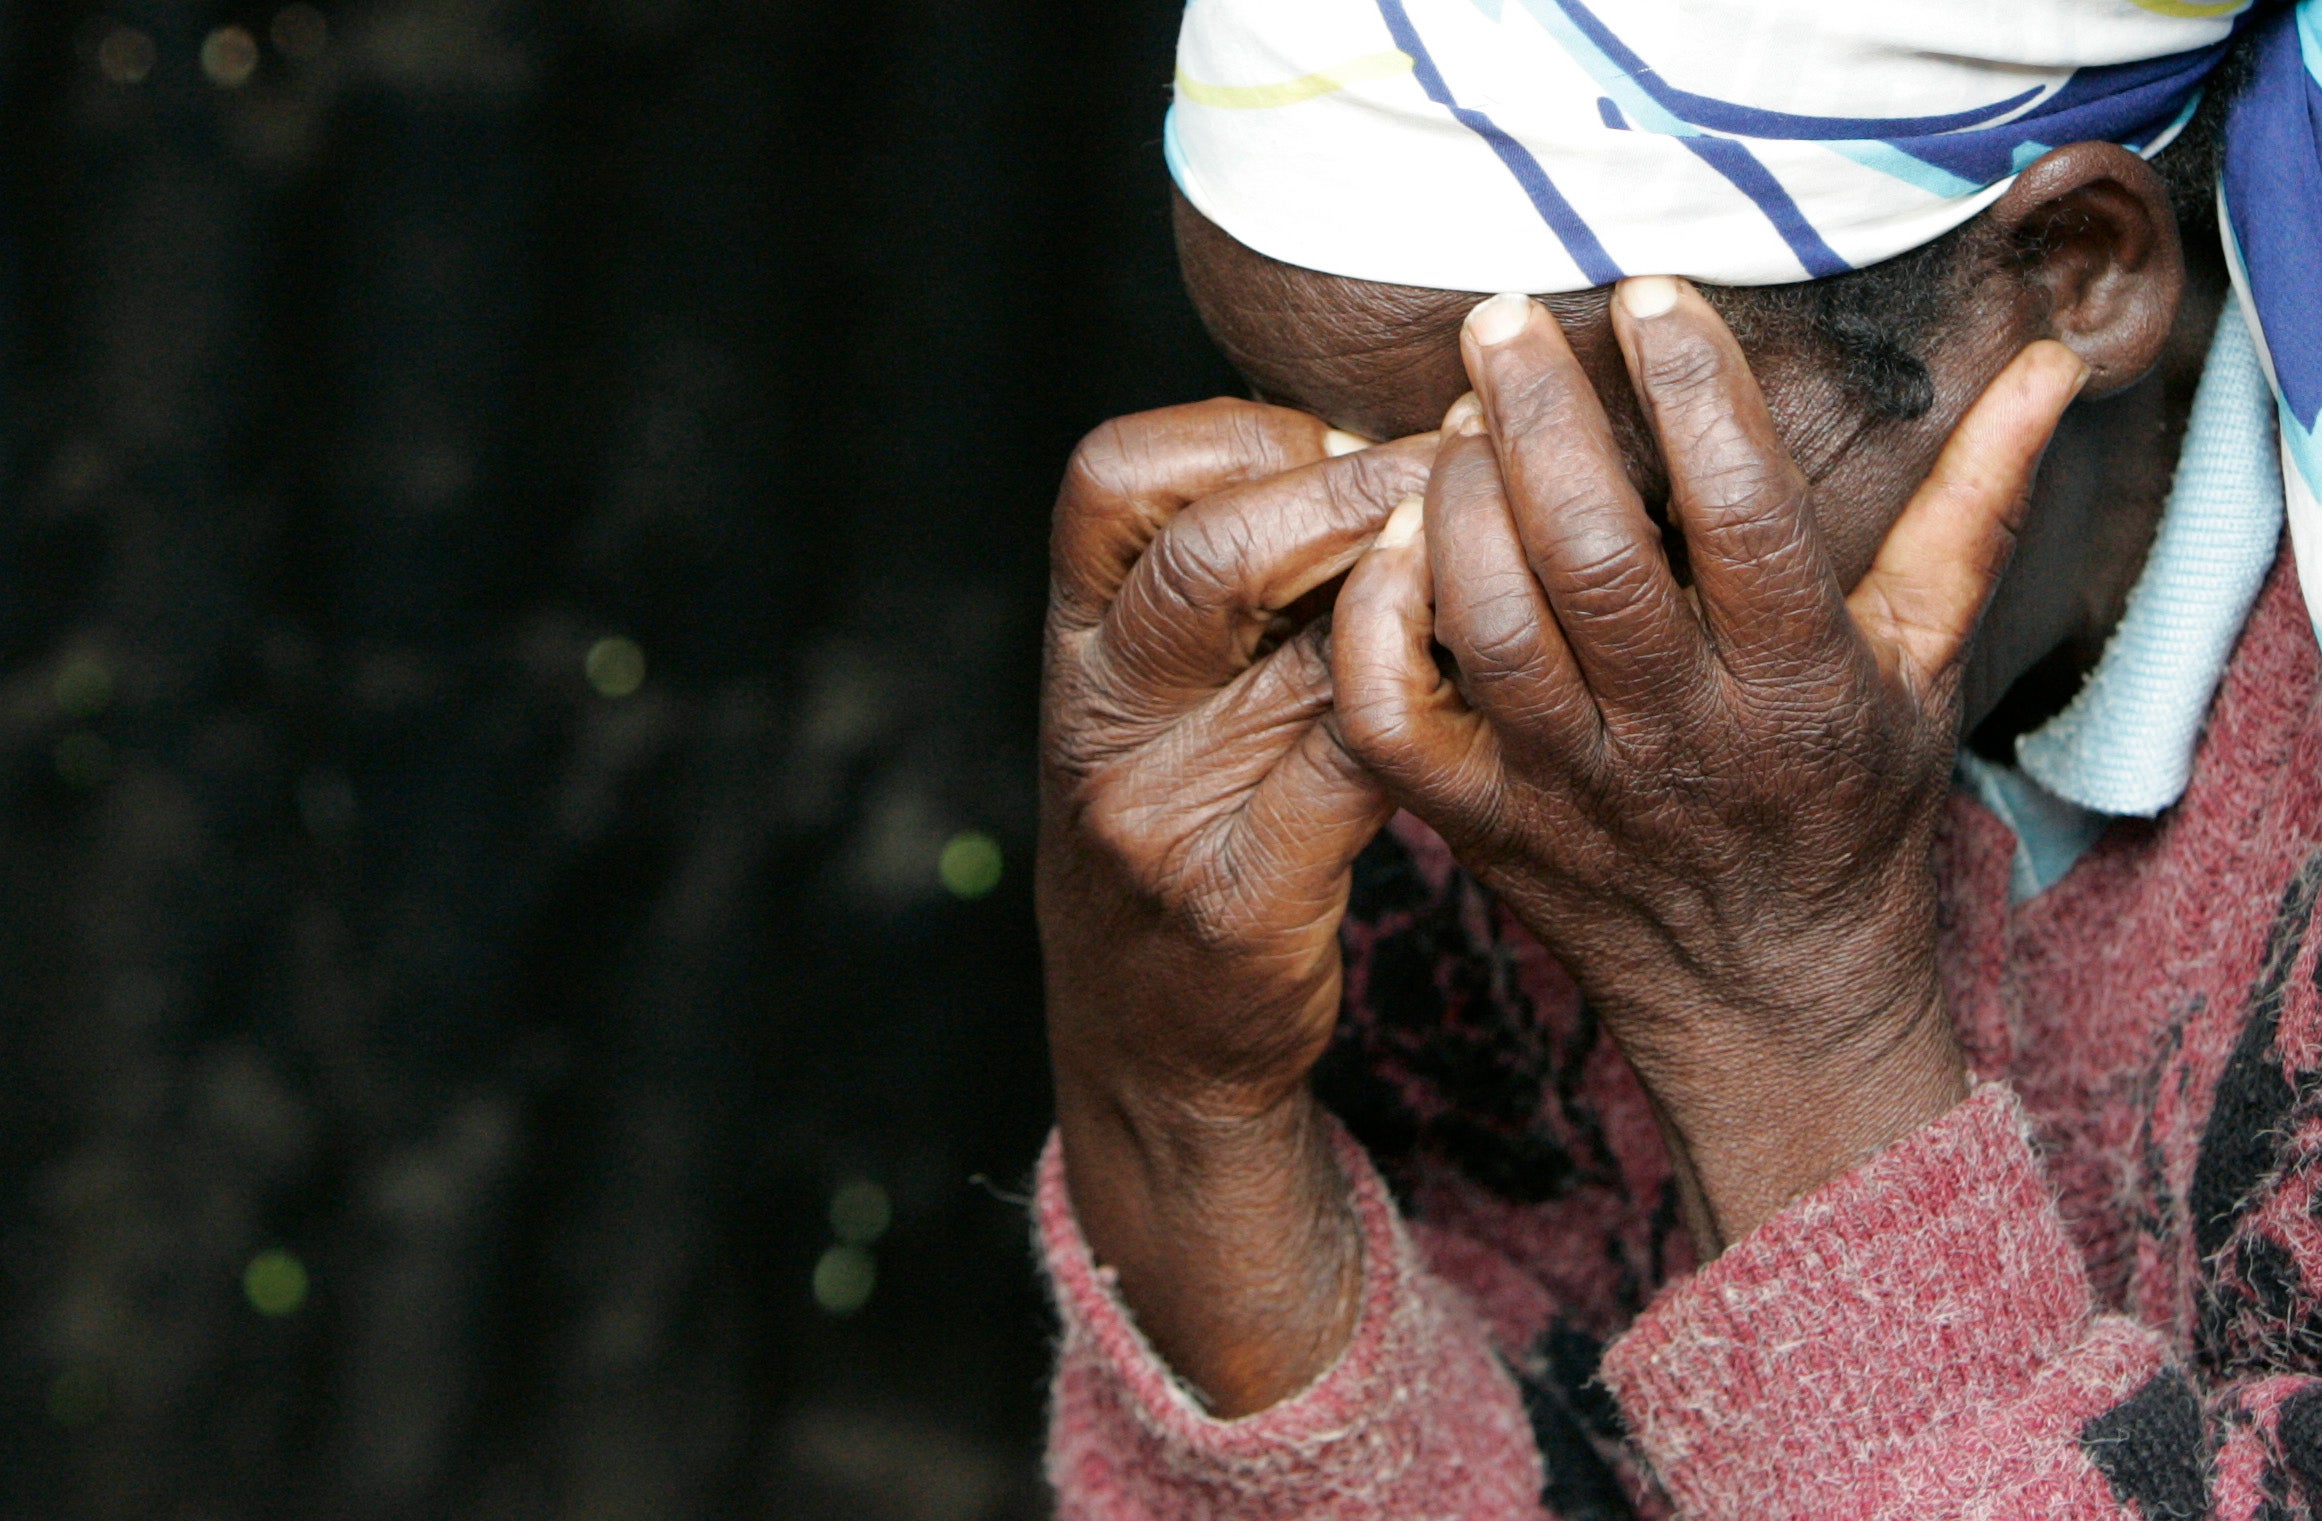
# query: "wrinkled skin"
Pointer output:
{"type": "Point", "coordinates": [1713, 804]}
{"type": "Point", "coordinates": [1198, 826]}
{"type": "Point", "coordinates": [1718, 809]}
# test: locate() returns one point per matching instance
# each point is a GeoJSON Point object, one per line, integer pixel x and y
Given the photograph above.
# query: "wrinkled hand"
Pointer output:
{"type": "Point", "coordinates": [1198, 826]}
{"type": "Point", "coordinates": [1718, 809]}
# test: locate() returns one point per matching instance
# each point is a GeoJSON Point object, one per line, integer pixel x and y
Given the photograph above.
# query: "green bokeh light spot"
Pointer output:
{"type": "Point", "coordinates": [971, 864]}
{"type": "Point", "coordinates": [615, 666]}
{"type": "Point", "coordinates": [860, 1212]}
{"type": "Point", "coordinates": [276, 1283]}
{"type": "Point", "coordinates": [843, 1279]}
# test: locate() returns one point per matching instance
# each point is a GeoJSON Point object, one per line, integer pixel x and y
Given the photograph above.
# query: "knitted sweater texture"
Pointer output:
{"type": "Point", "coordinates": [2092, 1290]}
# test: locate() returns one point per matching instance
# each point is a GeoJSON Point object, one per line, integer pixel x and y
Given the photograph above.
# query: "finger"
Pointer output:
{"type": "Point", "coordinates": [1765, 583]}
{"type": "Point", "coordinates": [1192, 610]}
{"type": "Point", "coordinates": [1490, 612]}
{"type": "Point", "coordinates": [1226, 746]}
{"type": "Point", "coordinates": [1394, 710]}
{"type": "Point", "coordinates": [1132, 474]}
{"type": "Point", "coordinates": [1258, 747]}
{"type": "Point", "coordinates": [1926, 591]}
{"type": "Point", "coordinates": [1317, 806]}
{"type": "Point", "coordinates": [1592, 546]}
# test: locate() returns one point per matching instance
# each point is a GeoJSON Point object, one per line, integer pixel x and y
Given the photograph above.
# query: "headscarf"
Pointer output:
{"type": "Point", "coordinates": [1555, 145]}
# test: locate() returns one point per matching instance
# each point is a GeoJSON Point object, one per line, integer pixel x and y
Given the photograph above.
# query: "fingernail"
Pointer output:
{"type": "Point", "coordinates": [1500, 318]}
{"type": "Point", "coordinates": [1402, 524]}
{"type": "Point", "coordinates": [1648, 296]}
{"type": "Point", "coordinates": [1338, 441]}
{"type": "Point", "coordinates": [1465, 416]}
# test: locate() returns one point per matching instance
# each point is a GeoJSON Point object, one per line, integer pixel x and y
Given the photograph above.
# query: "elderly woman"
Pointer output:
{"type": "Point", "coordinates": [1549, 1017]}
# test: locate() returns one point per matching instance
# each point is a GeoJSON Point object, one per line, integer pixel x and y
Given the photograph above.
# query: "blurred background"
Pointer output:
{"type": "Point", "coordinates": [520, 567]}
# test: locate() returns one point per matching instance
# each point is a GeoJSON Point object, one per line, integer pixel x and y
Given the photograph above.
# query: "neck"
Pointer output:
{"type": "Point", "coordinates": [2094, 512]}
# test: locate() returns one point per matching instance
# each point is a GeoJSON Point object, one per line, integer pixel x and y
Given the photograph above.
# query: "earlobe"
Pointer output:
{"type": "Point", "coordinates": [2098, 246]}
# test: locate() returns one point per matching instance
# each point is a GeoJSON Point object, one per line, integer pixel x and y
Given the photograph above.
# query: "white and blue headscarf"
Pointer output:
{"type": "Point", "coordinates": [1555, 145]}
{"type": "Point", "coordinates": [2272, 197]}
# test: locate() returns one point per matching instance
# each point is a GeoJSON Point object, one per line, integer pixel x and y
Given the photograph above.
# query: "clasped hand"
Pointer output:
{"type": "Point", "coordinates": [1714, 803]}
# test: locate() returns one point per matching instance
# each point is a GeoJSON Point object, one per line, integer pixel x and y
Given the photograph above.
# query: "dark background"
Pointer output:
{"type": "Point", "coordinates": [343, 915]}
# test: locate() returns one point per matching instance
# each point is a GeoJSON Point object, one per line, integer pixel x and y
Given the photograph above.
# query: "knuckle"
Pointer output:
{"type": "Point", "coordinates": [1361, 485]}
{"type": "Point", "coordinates": [1195, 561]}
{"type": "Point", "coordinates": [1737, 490]}
{"type": "Point", "coordinates": [1536, 723]}
{"type": "Point", "coordinates": [1816, 697]}
{"type": "Point", "coordinates": [1544, 400]}
{"type": "Point", "coordinates": [1783, 559]}
{"type": "Point", "coordinates": [1256, 439]}
{"type": "Point", "coordinates": [1099, 470]}
{"type": "Point", "coordinates": [1205, 445]}
{"type": "Point", "coordinates": [1370, 724]}
{"type": "Point", "coordinates": [1466, 466]}
{"type": "Point", "coordinates": [1475, 791]}
{"type": "Point", "coordinates": [1219, 923]}
{"type": "Point", "coordinates": [1197, 879]}
{"type": "Point", "coordinates": [1683, 364]}
{"type": "Point", "coordinates": [1497, 634]}
{"type": "Point", "coordinates": [1554, 508]}
{"type": "Point", "coordinates": [1175, 451]}
{"type": "Point", "coordinates": [1116, 825]}
{"type": "Point", "coordinates": [1299, 669]}
{"type": "Point", "coordinates": [1374, 725]}
{"type": "Point", "coordinates": [1603, 591]}
{"type": "Point", "coordinates": [1612, 572]}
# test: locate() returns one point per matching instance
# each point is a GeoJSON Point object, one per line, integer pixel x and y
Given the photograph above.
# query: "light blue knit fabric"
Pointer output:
{"type": "Point", "coordinates": [2124, 746]}
{"type": "Point", "coordinates": [2050, 833]}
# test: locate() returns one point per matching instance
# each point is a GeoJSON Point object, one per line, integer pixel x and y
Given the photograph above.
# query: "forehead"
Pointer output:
{"type": "Point", "coordinates": [1380, 360]}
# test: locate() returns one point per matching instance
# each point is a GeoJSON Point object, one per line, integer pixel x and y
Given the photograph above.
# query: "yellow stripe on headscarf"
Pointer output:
{"type": "Point", "coordinates": [2192, 10]}
{"type": "Point", "coordinates": [1337, 77]}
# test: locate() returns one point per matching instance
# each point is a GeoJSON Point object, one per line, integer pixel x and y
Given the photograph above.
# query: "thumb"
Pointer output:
{"type": "Point", "coordinates": [1927, 588]}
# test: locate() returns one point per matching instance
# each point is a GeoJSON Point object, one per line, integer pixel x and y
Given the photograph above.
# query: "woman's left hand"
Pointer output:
{"type": "Point", "coordinates": [1718, 809]}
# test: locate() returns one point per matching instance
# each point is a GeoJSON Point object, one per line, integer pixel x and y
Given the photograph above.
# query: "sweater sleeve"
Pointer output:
{"type": "Point", "coordinates": [1417, 1419]}
{"type": "Point", "coordinates": [1919, 1339]}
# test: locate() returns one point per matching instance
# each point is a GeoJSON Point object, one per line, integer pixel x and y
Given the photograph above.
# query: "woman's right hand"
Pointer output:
{"type": "Point", "coordinates": [1199, 822]}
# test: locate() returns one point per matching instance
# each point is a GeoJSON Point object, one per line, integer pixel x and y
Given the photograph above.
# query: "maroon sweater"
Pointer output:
{"type": "Point", "coordinates": [2094, 1289]}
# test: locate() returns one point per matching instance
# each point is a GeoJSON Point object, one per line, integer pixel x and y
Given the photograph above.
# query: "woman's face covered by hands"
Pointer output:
{"type": "Point", "coordinates": [1621, 742]}
{"type": "Point", "coordinates": [1384, 361]}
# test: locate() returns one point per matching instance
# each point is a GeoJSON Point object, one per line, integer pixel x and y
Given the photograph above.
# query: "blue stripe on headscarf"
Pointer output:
{"type": "Point", "coordinates": [2272, 184]}
{"type": "Point", "coordinates": [2133, 103]}
{"type": "Point", "coordinates": [1563, 219]}
{"type": "Point", "coordinates": [1743, 171]}
{"type": "Point", "coordinates": [1738, 120]}
{"type": "Point", "coordinates": [2123, 103]}
{"type": "Point", "coordinates": [2273, 192]}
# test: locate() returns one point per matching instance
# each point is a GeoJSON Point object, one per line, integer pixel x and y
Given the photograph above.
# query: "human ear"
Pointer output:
{"type": "Point", "coordinates": [2097, 246]}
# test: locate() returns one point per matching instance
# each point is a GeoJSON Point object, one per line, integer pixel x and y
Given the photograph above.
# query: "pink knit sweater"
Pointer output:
{"type": "Point", "coordinates": [2094, 1289]}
